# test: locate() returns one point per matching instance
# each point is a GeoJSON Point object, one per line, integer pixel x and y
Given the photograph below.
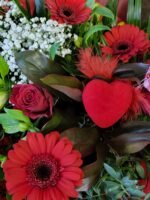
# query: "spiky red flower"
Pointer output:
{"type": "Point", "coordinates": [126, 42]}
{"type": "Point", "coordinates": [93, 66]}
{"type": "Point", "coordinates": [43, 168]}
{"type": "Point", "coordinates": [69, 11]}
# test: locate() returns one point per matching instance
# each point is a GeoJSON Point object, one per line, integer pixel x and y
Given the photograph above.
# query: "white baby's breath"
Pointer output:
{"type": "Point", "coordinates": [18, 34]}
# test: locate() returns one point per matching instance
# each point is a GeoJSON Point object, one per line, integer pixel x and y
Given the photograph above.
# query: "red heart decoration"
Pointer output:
{"type": "Point", "coordinates": [105, 102]}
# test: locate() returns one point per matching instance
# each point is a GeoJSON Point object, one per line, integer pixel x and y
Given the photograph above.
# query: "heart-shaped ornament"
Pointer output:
{"type": "Point", "coordinates": [105, 102]}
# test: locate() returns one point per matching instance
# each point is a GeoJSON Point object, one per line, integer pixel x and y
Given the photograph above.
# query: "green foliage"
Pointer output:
{"type": "Point", "coordinates": [93, 30]}
{"type": "Point", "coordinates": [24, 12]}
{"type": "Point", "coordinates": [90, 3]}
{"type": "Point", "coordinates": [104, 11]}
{"type": "Point", "coordinates": [148, 27]}
{"type": "Point", "coordinates": [53, 50]}
{"type": "Point", "coordinates": [1, 174]}
{"type": "Point", "coordinates": [40, 8]}
{"type": "Point", "coordinates": [4, 68]}
{"type": "Point", "coordinates": [134, 12]}
{"type": "Point", "coordinates": [14, 121]}
{"type": "Point", "coordinates": [118, 180]}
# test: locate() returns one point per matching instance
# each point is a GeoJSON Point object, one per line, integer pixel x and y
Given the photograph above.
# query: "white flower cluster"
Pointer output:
{"type": "Point", "coordinates": [18, 34]}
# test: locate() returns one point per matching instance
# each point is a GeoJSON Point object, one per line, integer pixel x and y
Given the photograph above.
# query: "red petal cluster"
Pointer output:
{"type": "Point", "coordinates": [43, 168]}
{"type": "Point", "coordinates": [125, 42]}
{"type": "Point", "coordinates": [69, 11]}
{"type": "Point", "coordinates": [96, 66]}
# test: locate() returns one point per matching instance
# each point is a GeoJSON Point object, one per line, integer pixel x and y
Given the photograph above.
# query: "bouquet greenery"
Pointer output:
{"type": "Point", "coordinates": [74, 101]}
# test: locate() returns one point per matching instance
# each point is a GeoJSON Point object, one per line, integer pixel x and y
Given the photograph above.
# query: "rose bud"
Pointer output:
{"type": "Point", "coordinates": [34, 101]}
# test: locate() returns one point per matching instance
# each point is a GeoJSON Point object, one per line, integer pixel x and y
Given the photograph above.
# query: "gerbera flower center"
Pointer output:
{"type": "Point", "coordinates": [67, 12]}
{"type": "Point", "coordinates": [122, 47]}
{"type": "Point", "coordinates": [42, 171]}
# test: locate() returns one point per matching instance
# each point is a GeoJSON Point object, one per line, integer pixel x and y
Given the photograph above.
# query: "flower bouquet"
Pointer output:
{"type": "Point", "coordinates": [74, 101]}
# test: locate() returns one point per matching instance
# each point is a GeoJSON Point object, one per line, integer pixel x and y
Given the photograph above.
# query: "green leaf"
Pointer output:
{"type": "Point", "coordinates": [103, 11]}
{"type": "Point", "coordinates": [130, 70]}
{"type": "Point", "coordinates": [134, 12]}
{"type": "Point", "coordinates": [134, 137]}
{"type": "Point", "coordinates": [8, 197]}
{"type": "Point", "coordinates": [18, 115]}
{"type": "Point", "coordinates": [9, 125]}
{"type": "Point", "coordinates": [112, 186]}
{"type": "Point", "coordinates": [14, 121]}
{"type": "Point", "coordinates": [111, 171]}
{"type": "Point", "coordinates": [55, 79]}
{"type": "Point", "coordinates": [148, 27]}
{"type": "Point", "coordinates": [92, 170]}
{"type": "Point", "coordinates": [93, 30]}
{"type": "Point", "coordinates": [22, 10]}
{"type": "Point", "coordinates": [128, 183]}
{"type": "Point", "coordinates": [90, 3]}
{"type": "Point", "coordinates": [137, 12]}
{"type": "Point", "coordinates": [40, 8]}
{"type": "Point", "coordinates": [61, 120]}
{"type": "Point", "coordinates": [4, 68]}
{"type": "Point", "coordinates": [53, 50]}
{"type": "Point", "coordinates": [135, 192]}
{"type": "Point", "coordinates": [84, 139]}
{"type": "Point", "coordinates": [2, 158]}
{"type": "Point", "coordinates": [147, 197]}
{"type": "Point", "coordinates": [68, 85]}
{"type": "Point", "coordinates": [140, 170]}
{"type": "Point", "coordinates": [1, 174]}
{"type": "Point", "coordinates": [3, 98]}
{"type": "Point", "coordinates": [35, 65]}
{"type": "Point", "coordinates": [130, 13]}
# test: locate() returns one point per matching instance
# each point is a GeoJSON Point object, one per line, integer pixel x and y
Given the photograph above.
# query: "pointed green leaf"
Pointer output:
{"type": "Point", "coordinates": [93, 30]}
{"type": "Point", "coordinates": [90, 3]}
{"type": "Point", "coordinates": [53, 50]}
{"type": "Point", "coordinates": [40, 8]}
{"type": "Point", "coordinates": [18, 115]}
{"type": "Point", "coordinates": [4, 68]}
{"type": "Point", "coordinates": [22, 10]}
{"type": "Point", "coordinates": [35, 65]}
{"type": "Point", "coordinates": [135, 192]}
{"type": "Point", "coordinates": [111, 171]}
{"type": "Point", "coordinates": [103, 11]}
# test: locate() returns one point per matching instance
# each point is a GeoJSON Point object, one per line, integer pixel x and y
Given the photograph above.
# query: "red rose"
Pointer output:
{"type": "Point", "coordinates": [145, 182]}
{"type": "Point", "coordinates": [32, 100]}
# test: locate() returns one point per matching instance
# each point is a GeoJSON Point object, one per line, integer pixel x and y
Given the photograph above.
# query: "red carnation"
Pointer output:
{"type": "Point", "coordinates": [43, 168]}
{"type": "Point", "coordinates": [23, 3]}
{"type": "Point", "coordinates": [34, 101]}
{"type": "Point", "coordinates": [69, 11]}
{"type": "Point", "coordinates": [126, 42]}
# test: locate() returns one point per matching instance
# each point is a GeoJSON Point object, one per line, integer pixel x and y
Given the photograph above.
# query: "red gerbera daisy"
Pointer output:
{"type": "Point", "coordinates": [43, 168]}
{"type": "Point", "coordinates": [126, 42]}
{"type": "Point", "coordinates": [93, 65]}
{"type": "Point", "coordinates": [69, 11]}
